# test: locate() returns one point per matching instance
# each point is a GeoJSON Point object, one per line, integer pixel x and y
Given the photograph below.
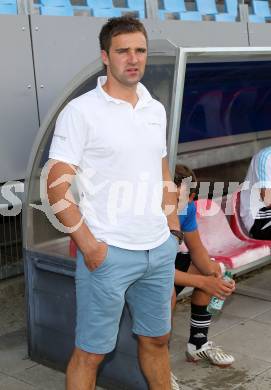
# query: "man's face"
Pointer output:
{"type": "Point", "coordinates": [127, 58]}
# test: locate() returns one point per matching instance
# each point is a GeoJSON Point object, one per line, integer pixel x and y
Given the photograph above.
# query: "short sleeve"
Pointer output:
{"type": "Point", "coordinates": [69, 137]}
{"type": "Point", "coordinates": [264, 168]}
{"type": "Point", "coordinates": [188, 219]}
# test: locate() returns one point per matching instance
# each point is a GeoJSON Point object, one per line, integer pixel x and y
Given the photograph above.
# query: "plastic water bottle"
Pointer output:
{"type": "Point", "coordinates": [216, 304]}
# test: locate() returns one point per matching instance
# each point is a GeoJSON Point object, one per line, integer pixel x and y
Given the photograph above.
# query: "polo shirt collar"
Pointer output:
{"type": "Point", "coordinates": [144, 97]}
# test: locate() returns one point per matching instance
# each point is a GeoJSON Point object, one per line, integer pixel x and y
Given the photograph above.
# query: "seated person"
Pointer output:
{"type": "Point", "coordinates": [255, 198]}
{"type": "Point", "coordinates": [196, 269]}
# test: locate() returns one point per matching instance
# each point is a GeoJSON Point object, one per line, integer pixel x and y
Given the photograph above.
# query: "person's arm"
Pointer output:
{"type": "Point", "coordinates": [212, 285]}
{"type": "Point", "coordinates": [199, 255]}
{"type": "Point", "coordinates": [209, 277]}
{"type": "Point", "coordinates": [266, 196]}
{"type": "Point", "coordinates": [93, 251]}
{"type": "Point", "coordinates": [169, 203]}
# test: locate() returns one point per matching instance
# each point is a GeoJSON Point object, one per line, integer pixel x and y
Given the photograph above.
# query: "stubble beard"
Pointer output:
{"type": "Point", "coordinates": [122, 79]}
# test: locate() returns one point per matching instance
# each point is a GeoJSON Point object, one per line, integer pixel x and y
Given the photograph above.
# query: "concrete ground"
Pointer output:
{"type": "Point", "coordinates": [243, 329]}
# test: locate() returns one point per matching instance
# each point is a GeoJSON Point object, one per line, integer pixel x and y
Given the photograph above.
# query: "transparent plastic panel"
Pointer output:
{"type": "Point", "coordinates": [42, 236]}
{"type": "Point", "coordinates": [225, 116]}
{"type": "Point", "coordinates": [158, 78]}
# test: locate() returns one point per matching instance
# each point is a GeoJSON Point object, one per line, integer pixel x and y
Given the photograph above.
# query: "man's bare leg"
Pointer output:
{"type": "Point", "coordinates": [82, 370]}
{"type": "Point", "coordinates": [154, 361]}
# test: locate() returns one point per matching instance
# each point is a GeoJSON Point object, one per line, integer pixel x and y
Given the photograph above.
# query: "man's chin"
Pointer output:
{"type": "Point", "coordinates": [131, 81]}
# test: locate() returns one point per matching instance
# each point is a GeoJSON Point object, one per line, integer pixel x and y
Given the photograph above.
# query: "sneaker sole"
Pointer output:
{"type": "Point", "coordinates": [191, 359]}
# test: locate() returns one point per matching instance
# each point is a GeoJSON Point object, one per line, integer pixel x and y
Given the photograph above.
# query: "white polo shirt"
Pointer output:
{"type": "Point", "coordinates": [119, 151]}
{"type": "Point", "coordinates": [258, 176]}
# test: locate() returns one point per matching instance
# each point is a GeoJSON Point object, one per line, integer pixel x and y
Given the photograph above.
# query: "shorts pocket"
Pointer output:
{"type": "Point", "coordinates": [83, 271]}
{"type": "Point", "coordinates": [104, 262]}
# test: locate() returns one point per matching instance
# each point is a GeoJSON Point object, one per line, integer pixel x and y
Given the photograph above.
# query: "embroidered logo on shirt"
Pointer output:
{"type": "Point", "coordinates": [60, 137]}
{"type": "Point", "coordinates": [154, 123]}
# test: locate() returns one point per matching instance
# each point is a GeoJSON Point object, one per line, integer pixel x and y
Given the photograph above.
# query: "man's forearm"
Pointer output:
{"type": "Point", "coordinates": [70, 218]}
{"type": "Point", "coordinates": [202, 262]}
{"type": "Point", "coordinates": [189, 280]}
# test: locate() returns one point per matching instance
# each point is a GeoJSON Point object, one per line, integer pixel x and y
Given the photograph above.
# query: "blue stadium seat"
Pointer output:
{"type": "Point", "coordinates": [231, 7]}
{"type": "Point", "coordinates": [221, 17]}
{"type": "Point", "coordinates": [56, 3]}
{"type": "Point", "coordinates": [100, 4]}
{"type": "Point", "coordinates": [10, 9]}
{"type": "Point", "coordinates": [256, 19]}
{"type": "Point", "coordinates": [8, 2]}
{"type": "Point", "coordinates": [137, 5]}
{"type": "Point", "coordinates": [191, 15]}
{"type": "Point", "coordinates": [261, 8]}
{"type": "Point", "coordinates": [177, 8]}
{"type": "Point", "coordinates": [174, 5]}
{"type": "Point", "coordinates": [106, 12]}
{"type": "Point", "coordinates": [206, 7]}
{"type": "Point", "coordinates": [57, 11]}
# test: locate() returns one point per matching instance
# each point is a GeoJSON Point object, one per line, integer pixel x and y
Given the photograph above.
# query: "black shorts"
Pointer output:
{"type": "Point", "coordinates": [264, 218]}
{"type": "Point", "coordinates": [182, 263]}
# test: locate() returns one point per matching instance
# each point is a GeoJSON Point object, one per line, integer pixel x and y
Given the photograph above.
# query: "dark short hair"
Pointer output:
{"type": "Point", "coordinates": [117, 26]}
{"type": "Point", "coordinates": [182, 172]}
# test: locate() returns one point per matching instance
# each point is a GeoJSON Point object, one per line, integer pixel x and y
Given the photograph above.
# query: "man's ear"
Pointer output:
{"type": "Point", "coordinates": [104, 57]}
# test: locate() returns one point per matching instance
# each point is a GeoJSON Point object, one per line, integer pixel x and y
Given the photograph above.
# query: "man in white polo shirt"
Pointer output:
{"type": "Point", "coordinates": [114, 137]}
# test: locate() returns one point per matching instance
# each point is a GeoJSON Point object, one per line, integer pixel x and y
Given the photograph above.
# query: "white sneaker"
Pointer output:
{"type": "Point", "coordinates": [211, 352]}
{"type": "Point", "coordinates": [174, 383]}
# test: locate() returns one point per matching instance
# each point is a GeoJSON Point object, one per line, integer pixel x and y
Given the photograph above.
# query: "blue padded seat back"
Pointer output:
{"type": "Point", "coordinates": [106, 12]}
{"type": "Point", "coordinates": [100, 3]}
{"type": "Point", "coordinates": [191, 15]}
{"type": "Point", "coordinates": [174, 5]}
{"type": "Point", "coordinates": [8, 2]}
{"type": "Point", "coordinates": [136, 4]}
{"type": "Point", "coordinates": [231, 7]}
{"type": "Point", "coordinates": [261, 8]}
{"type": "Point", "coordinates": [10, 9]}
{"type": "Point", "coordinates": [256, 19]}
{"type": "Point", "coordinates": [56, 3]}
{"type": "Point", "coordinates": [225, 18]}
{"type": "Point", "coordinates": [56, 11]}
{"type": "Point", "coordinates": [206, 7]}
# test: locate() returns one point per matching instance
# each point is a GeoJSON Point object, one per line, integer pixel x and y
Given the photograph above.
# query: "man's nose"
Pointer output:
{"type": "Point", "coordinates": [132, 57]}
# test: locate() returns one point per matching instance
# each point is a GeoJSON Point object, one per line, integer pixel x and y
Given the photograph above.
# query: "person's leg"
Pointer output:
{"type": "Point", "coordinates": [198, 346]}
{"type": "Point", "coordinates": [200, 318]}
{"type": "Point", "coordinates": [149, 300]}
{"type": "Point", "coordinates": [82, 370]}
{"type": "Point", "coordinates": [154, 361]}
{"type": "Point", "coordinates": [261, 229]}
{"type": "Point", "coordinates": [100, 300]}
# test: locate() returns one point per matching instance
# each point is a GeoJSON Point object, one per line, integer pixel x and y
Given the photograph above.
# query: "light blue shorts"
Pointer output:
{"type": "Point", "coordinates": [144, 279]}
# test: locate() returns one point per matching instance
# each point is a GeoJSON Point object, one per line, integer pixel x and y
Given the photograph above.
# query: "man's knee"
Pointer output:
{"type": "Point", "coordinates": [159, 341]}
{"type": "Point", "coordinates": [83, 358]}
